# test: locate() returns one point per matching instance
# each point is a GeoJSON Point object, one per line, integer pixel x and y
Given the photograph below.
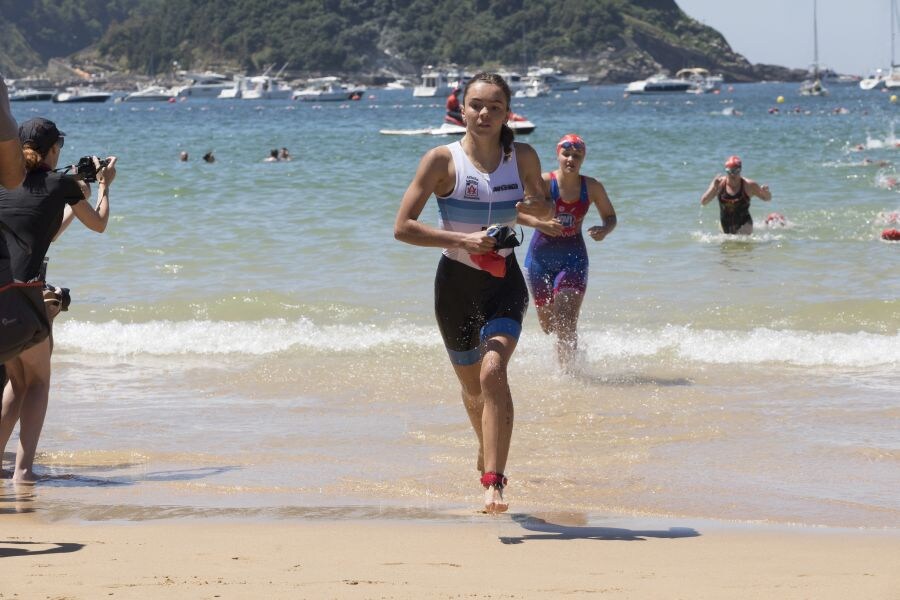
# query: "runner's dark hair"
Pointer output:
{"type": "Point", "coordinates": [506, 134]}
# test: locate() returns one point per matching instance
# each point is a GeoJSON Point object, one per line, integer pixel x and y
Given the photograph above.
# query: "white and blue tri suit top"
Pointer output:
{"type": "Point", "coordinates": [479, 200]}
{"type": "Point", "coordinates": [470, 303]}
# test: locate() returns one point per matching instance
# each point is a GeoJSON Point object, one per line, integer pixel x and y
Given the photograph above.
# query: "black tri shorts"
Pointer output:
{"type": "Point", "coordinates": [472, 305]}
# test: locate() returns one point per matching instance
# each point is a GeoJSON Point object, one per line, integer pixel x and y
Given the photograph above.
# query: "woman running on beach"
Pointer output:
{"type": "Point", "coordinates": [557, 260]}
{"type": "Point", "coordinates": [38, 212]}
{"type": "Point", "coordinates": [480, 299]}
{"type": "Point", "coordinates": [734, 193]}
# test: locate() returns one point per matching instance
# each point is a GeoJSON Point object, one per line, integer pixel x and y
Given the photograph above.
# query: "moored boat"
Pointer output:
{"type": "Point", "coordinates": [153, 93]}
{"type": "Point", "coordinates": [72, 95]}
{"type": "Point", "coordinates": [813, 86]}
{"type": "Point", "coordinates": [555, 79]}
{"type": "Point", "coordinates": [205, 85]}
{"type": "Point", "coordinates": [519, 124]}
{"type": "Point", "coordinates": [328, 89]}
{"type": "Point", "coordinates": [29, 95]}
{"type": "Point", "coordinates": [658, 84]}
{"type": "Point", "coordinates": [438, 82]}
{"type": "Point", "coordinates": [702, 81]}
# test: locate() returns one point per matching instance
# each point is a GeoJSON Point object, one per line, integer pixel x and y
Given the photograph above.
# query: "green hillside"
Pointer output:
{"type": "Point", "coordinates": [612, 40]}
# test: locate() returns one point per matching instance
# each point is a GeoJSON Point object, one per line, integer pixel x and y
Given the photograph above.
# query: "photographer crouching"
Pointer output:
{"type": "Point", "coordinates": [32, 216]}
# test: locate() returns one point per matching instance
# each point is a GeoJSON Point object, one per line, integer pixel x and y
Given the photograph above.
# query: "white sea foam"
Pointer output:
{"type": "Point", "coordinates": [757, 346]}
{"type": "Point", "coordinates": [232, 337]}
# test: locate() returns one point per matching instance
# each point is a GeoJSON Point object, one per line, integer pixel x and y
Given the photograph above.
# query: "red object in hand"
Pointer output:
{"type": "Point", "coordinates": [491, 262]}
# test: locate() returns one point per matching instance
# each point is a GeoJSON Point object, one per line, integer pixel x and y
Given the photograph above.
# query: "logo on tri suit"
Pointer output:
{"type": "Point", "coordinates": [471, 188]}
{"type": "Point", "coordinates": [567, 220]}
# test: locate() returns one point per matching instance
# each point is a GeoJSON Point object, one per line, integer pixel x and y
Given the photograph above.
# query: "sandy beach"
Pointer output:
{"type": "Point", "coordinates": [512, 556]}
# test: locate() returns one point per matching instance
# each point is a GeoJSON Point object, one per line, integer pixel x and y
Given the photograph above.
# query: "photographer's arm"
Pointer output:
{"type": "Point", "coordinates": [96, 217]}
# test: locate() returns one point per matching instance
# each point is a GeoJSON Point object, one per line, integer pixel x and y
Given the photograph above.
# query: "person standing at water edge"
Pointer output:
{"type": "Point", "coordinates": [484, 179]}
{"type": "Point", "coordinates": [12, 165]}
{"type": "Point", "coordinates": [557, 260]}
{"type": "Point", "coordinates": [38, 212]}
{"type": "Point", "coordinates": [734, 193]}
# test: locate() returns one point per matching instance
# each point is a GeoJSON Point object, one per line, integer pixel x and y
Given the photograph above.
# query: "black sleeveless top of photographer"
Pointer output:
{"type": "Point", "coordinates": [34, 211]}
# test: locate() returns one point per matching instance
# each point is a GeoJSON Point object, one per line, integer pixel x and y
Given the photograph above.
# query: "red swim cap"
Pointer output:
{"type": "Point", "coordinates": [733, 162]}
{"type": "Point", "coordinates": [892, 235]}
{"type": "Point", "coordinates": [571, 140]}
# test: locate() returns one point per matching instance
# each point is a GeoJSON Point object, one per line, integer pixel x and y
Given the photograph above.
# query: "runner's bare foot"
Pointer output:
{"type": "Point", "coordinates": [494, 502]}
{"type": "Point", "coordinates": [493, 492]}
{"type": "Point", "coordinates": [24, 476]}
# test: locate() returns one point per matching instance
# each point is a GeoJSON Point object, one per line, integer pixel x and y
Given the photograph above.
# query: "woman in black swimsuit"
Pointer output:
{"type": "Point", "coordinates": [734, 192]}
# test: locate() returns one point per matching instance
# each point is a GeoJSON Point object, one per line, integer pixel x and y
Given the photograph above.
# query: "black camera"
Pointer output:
{"type": "Point", "coordinates": [65, 299]}
{"type": "Point", "coordinates": [57, 295]}
{"type": "Point", "coordinates": [87, 168]}
{"type": "Point", "coordinates": [505, 236]}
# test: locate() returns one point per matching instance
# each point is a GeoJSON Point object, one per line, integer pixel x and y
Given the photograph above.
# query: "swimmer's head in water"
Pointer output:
{"type": "Point", "coordinates": [573, 142]}
{"type": "Point", "coordinates": [733, 165]}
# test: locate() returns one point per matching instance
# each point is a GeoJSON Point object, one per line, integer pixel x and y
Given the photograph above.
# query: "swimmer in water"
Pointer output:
{"type": "Point", "coordinates": [734, 193]}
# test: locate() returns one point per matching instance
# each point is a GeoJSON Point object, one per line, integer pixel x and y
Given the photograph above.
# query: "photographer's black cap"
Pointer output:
{"type": "Point", "coordinates": [40, 133]}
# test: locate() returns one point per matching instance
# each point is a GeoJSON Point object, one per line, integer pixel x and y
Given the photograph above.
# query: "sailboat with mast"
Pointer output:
{"type": "Point", "coordinates": [813, 86]}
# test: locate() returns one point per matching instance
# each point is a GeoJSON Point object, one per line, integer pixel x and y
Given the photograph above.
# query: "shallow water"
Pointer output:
{"type": "Point", "coordinates": [248, 339]}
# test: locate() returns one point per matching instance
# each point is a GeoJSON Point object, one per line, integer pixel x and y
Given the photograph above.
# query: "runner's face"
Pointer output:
{"type": "Point", "coordinates": [570, 160]}
{"type": "Point", "coordinates": [486, 109]}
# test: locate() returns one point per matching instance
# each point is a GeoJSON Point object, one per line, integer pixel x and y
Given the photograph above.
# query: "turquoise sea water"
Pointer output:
{"type": "Point", "coordinates": [248, 338]}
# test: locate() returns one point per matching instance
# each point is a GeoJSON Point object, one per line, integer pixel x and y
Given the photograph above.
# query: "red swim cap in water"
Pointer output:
{"type": "Point", "coordinates": [733, 162]}
{"type": "Point", "coordinates": [892, 235]}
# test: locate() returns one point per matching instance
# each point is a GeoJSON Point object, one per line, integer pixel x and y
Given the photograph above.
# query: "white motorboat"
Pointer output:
{"type": "Point", "coordinates": [881, 79]}
{"type": "Point", "coordinates": [813, 86]}
{"type": "Point", "coordinates": [516, 81]}
{"type": "Point", "coordinates": [702, 81]}
{"type": "Point", "coordinates": [519, 125]}
{"type": "Point", "coordinates": [873, 82]}
{"type": "Point", "coordinates": [328, 89]}
{"type": "Point", "coordinates": [81, 95]}
{"type": "Point", "coordinates": [658, 84]}
{"type": "Point", "coordinates": [398, 84]}
{"type": "Point", "coordinates": [438, 82]}
{"type": "Point", "coordinates": [205, 85]}
{"type": "Point", "coordinates": [153, 93]}
{"type": "Point", "coordinates": [533, 89]}
{"type": "Point", "coordinates": [265, 87]}
{"type": "Point", "coordinates": [555, 79]}
{"type": "Point", "coordinates": [29, 95]}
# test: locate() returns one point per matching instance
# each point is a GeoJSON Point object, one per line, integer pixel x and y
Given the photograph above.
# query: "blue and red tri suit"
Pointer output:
{"type": "Point", "coordinates": [556, 263]}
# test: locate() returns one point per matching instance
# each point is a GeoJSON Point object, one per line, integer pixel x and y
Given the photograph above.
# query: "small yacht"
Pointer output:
{"type": "Point", "coordinates": [78, 94]}
{"type": "Point", "coordinates": [265, 87]}
{"type": "Point", "coordinates": [658, 84]}
{"type": "Point", "coordinates": [328, 89]}
{"type": "Point", "coordinates": [533, 89]}
{"type": "Point", "coordinates": [29, 95]}
{"type": "Point", "coordinates": [702, 82]}
{"type": "Point", "coordinates": [555, 79]}
{"type": "Point", "coordinates": [205, 85]}
{"type": "Point", "coordinates": [398, 84]}
{"type": "Point", "coordinates": [438, 82]}
{"type": "Point", "coordinates": [153, 93]}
